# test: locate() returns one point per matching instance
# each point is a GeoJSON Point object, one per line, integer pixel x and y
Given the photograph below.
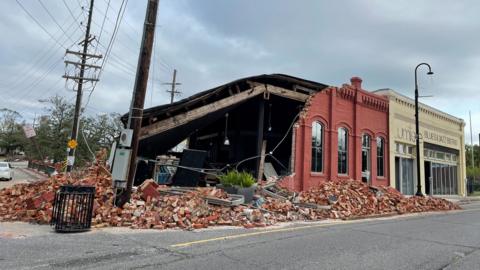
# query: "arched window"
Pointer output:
{"type": "Point", "coordinates": [380, 157]}
{"type": "Point", "coordinates": [317, 147]}
{"type": "Point", "coordinates": [366, 157]}
{"type": "Point", "coordinates": [342, 151]}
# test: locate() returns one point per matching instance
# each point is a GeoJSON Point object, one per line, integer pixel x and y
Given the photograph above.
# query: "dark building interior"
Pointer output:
{"type": "Point", "coordinates": [231, 122]}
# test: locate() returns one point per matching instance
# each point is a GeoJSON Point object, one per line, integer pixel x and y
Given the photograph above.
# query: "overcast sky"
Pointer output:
{"type": "Point", "coordinates": [212, 42]}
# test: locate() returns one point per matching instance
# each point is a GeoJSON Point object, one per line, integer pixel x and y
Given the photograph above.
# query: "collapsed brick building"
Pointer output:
{"type": "Point", "coordinates": [275, 118]}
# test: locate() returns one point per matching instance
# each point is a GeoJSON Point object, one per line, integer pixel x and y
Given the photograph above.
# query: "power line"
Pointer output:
{"type": "Point", "coordinates": [39, 24]}
{"type": "Point", "coordinates": [29, 88]}
{"type": "Point", "coordinates": [73, 16]}
{"type": "Point", "coordinates": [26, 74]}
{"type": "Point", "coordinates": [42, 55]}
{"type": "Point", "coordinates": [101, 32]}
{"type": "Point", "coordinates": [167, 66]}
{"type": "Point", "coordinates": [55, 21]}
{"type": "Point", "coordinates": [110, 45]}
{"type": "Point", "coordinates": [23, 74]}
{"type": "Point", "coordinates": [103, 24]}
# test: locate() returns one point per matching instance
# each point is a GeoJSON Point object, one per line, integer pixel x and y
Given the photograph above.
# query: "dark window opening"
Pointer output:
{"type": "Point", "coordinates": [342, 151]}
{"type": "Point", "coordinates": [380, 157]}
{"type": "Point", "coordinates": [317, 147]}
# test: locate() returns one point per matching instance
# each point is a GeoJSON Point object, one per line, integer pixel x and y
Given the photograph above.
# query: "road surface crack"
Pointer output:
{"type": "Point", "coordinates": [458, 257]}
{"type": "Point", "coordinates": [416, 239]}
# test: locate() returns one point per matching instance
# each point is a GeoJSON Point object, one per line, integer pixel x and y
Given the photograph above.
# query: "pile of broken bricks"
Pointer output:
{"type": "Point", "coordinates": [155, 206]}
{"type": "Point", "coordinates": [352, 199]}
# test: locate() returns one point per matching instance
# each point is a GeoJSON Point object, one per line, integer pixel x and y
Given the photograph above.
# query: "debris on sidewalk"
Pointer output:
{"type": "Point", "coordinates": [350, 198]}
{"type": "Point", "coordinates": [154, 206]}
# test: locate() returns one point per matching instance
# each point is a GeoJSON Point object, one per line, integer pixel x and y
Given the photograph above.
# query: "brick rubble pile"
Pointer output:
{"type": "Point", "coordinates": [350, 198]}
{"type": "Point", "coordinates": [153, 207]}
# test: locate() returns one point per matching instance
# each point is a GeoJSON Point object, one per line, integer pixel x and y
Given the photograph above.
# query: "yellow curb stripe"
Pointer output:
{"type": "Point", "coordinates": [235, 236]}
{"type": "Point", "coordinates": [243, 235]}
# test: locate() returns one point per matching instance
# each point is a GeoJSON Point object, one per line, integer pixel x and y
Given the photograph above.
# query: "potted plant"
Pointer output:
{"type": "Point", "coordinates": [242, 183]}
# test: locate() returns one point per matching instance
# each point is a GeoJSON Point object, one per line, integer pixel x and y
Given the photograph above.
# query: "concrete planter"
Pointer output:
{"type": "Point", "coordinates": [228, 189]}
{"type": "Point", "coordinates": [246, 192]}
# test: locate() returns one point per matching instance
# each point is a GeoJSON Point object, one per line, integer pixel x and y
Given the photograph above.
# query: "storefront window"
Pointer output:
{"type": "Point", "coordinates": [366, 158]}
{"type": "Point", "coordinates": [380, 156]}
{"type": "Point", "coordinates": [365, 153]}
{"type": "Point", "coordinates": [400, 148]}
{"type": "Point", "coordinates": [342, 151]}
{"type": "Point", "coordinates": [317, 147]}
{"type": "Point", "coordinates": [444, 179]}
{"type": "Point", "coordinates": [404, 175]}
{"type": "Point", "coordinates": [404, 149]}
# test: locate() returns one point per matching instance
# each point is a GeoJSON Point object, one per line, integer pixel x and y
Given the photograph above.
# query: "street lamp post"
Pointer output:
{"type": "Point", "coordinates": [417, 128]}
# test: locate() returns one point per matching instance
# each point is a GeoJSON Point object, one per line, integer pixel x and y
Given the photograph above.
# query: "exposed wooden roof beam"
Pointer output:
{"type": "Point", "coordinates": [183, 118]}
{"type": "Point", "coordinates": [278, 91]}
{"type": "Point", "coordinates": [186, 117]}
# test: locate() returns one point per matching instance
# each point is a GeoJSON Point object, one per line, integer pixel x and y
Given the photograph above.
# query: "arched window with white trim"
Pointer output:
{"type": "Point", "coordinates": [317, 147]}
{"type": "Point", "coordinates": [380, 157]}
{"type": "Point", "coordinates": [342, 151]}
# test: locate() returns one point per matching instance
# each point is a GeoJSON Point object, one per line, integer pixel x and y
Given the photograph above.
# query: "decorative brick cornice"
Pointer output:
{"type": "Point", "coordinates": [373, 102]}
{"type": "Point", "coordinates": [346, 92]}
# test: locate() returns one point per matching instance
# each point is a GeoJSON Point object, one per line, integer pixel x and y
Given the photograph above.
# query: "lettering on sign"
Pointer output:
{"type": "Point", "coordinates": [406, 134]}
{"type": "Point", "coordinates": [432, 136]}
{"type": "Point", "coordinates": [409, 135]}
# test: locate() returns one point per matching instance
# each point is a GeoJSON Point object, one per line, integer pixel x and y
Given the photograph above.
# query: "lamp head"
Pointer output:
{"type": "Point", "coordinates": [227, 141]}
{"type": "Point", "coordinates": [430, 73]}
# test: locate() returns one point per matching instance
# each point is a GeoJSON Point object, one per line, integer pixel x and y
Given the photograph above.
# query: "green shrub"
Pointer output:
{"type": "Point", "coordinates": [236, 178]}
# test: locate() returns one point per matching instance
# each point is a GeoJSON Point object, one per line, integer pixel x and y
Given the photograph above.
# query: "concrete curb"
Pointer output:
{"type": "Point", "coordinates": [33, 173]}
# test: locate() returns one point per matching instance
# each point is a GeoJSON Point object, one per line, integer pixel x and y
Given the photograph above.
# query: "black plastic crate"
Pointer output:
{"type": "Point", "coordinates": [72, 209]}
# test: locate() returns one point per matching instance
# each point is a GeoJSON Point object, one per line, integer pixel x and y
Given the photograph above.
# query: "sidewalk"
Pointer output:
{"type": "Point", "coordinates": [460, 199]}
{"type": "Point", "coordinates": [34, 173]}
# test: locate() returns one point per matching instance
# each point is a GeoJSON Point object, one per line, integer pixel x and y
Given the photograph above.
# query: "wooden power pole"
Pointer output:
{"type": "Point", "coordinates": [173, 84]}
{"type": "Point", "coordinates": [139, 91]}
{"type": "Point", "coordinates": [79, 79]}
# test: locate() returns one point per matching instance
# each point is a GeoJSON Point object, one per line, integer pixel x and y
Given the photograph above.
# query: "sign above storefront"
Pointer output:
{"type": "Point", "coordinates": [435, 137]}
{"type": "Point", "coordinates": [427, 135]}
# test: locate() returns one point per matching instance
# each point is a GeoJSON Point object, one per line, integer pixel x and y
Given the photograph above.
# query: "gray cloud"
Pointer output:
{"type": "Point", "coordinates": [212, 42]}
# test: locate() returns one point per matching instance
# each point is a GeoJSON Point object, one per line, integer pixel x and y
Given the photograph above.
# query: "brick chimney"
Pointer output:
{"type": "Point", "coordinates": [356, 82]}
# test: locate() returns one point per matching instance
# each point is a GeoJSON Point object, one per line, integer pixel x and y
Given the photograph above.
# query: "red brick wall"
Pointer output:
{"type": "Point", "coordinates": [353, 108]}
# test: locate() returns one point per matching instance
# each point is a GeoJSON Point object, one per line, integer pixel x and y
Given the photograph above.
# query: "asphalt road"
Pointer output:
{"type": "Point", "coordinates": [426, 241]}
{"type": "Point", "coordinates": [21, 175]}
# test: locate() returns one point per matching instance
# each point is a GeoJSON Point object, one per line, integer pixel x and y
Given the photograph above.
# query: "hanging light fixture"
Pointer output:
{"type": "Point", "coordinates": [226, 141]}
{"type": "Point", "coordinates": [270, 117]}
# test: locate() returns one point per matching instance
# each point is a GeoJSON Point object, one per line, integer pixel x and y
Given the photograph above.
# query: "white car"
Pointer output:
{"type": "Point", "coordinates": [6, 171]}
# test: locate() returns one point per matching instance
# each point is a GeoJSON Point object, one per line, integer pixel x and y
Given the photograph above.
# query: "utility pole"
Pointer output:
{"type": "Point", "coordinates": [80, 81]}
{"type": "Point", "coordinates": [138, 99]}
{"type": "Point", "coordinates": [173, 84]}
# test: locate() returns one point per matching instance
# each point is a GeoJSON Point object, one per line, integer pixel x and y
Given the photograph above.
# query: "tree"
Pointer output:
{"type": "Point", "coordinates": [11, 133]}
{"type": "Point", "coordinates": [96, 133]}
{"type": "Point", "coordinates": [53, 130]}
{"type": "Point", "coordinates": [472, 172]}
